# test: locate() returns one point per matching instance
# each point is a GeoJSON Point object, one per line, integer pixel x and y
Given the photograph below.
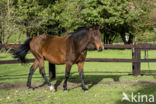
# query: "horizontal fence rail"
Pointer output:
{"type": "Point", "coordinates": [136, 56]}
{"type": "Point", "coordinates": [87, 60]}
{"type": "Point", "coordinates": [118, 60]}
{"type": "Point", "coordinates": [14, 61]}
{"type": "Point", "coordinates": [119, 46]}
{"type": "Point", "coordinates": [129, 46]}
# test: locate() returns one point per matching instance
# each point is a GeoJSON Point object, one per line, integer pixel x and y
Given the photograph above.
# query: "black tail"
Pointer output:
{"type": "Point", "coordinates": [21, 52]}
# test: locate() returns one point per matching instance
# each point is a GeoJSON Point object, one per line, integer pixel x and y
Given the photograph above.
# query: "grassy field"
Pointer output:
{"type": "Point", "coordinates": [106, 82]}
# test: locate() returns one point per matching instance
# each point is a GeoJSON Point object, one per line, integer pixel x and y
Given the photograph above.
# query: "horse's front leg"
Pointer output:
{"type": "Point", "coordinates": [67, 73]}
{"type": "Point", "coordinates": [81, 74]}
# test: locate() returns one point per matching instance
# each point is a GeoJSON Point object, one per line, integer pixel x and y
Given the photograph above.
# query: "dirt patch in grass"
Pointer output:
{"type": "Point", "coordinates": [8, 86]}
{"type": "Point", "coordinates": [17, 85]}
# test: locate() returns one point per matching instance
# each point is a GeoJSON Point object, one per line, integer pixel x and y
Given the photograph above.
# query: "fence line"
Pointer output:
{"type": "Point", "coordinates": [136, 56]}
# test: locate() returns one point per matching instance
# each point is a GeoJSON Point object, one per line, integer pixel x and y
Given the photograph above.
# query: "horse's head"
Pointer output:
{"type": "Point", "coordinates": [96, 38]}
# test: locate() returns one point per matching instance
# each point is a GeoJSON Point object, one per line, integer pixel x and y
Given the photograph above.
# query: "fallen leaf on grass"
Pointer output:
{"type": "Point", "coordinates": [8, 97]}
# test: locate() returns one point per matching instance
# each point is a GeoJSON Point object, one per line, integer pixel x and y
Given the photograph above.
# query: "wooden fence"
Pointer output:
{"type": "Point", "coordinates": [136, 57]}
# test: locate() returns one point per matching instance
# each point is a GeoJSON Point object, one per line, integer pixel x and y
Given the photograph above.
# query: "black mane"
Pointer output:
{"type": "Point", "coordinates": [79, 33]}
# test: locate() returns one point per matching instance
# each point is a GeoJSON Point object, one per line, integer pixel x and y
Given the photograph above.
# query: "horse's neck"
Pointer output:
{"type": "Point", "coordinates": [83, 43]}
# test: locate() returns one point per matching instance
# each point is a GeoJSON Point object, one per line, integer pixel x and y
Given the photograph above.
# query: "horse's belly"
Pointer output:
{"type": "Point", "coordinates": [56, 59]}
{"type": "Point", "coordinates": [55, 53]}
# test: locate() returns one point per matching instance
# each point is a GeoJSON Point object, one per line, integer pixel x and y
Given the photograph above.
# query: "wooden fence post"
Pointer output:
{"type": "Point", "coordinates": [52, 71]}
{"type": "Point", "coordinates": [136, 55]}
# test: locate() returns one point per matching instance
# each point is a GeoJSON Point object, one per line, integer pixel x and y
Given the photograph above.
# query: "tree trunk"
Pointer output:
{"type": "Point", "coordinates": [108, 39]}
{"type": "Point", "coordinates": [130, 41]}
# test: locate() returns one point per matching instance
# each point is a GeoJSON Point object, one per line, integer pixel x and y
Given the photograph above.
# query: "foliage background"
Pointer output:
{"type": "Point", "coordinates": [20, 19]}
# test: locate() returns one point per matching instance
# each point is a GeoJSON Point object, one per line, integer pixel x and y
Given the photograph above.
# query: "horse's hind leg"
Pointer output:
{"type": "Point", "coordinates": [32, 70]}
{"type": "Point", "coordinates": [42, 72]}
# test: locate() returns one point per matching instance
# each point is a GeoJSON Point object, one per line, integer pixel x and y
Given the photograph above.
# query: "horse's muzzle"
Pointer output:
{"type": "Point", "coordinates": [101, 49]}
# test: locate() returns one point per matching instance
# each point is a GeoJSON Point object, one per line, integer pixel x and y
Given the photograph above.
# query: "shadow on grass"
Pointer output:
{"type": "Point", "coordinates": [148, 71]}
{"type": "Point", "coordinates": [144, 88]}
{"type": "Point", "coordinates": [90, 80]}
{"type": "Point", "coordinates": [17, 76]}
{"type": "Point", "coordinates": [3, 57]}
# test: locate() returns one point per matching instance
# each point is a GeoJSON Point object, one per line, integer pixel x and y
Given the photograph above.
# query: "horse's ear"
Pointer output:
{"type": "Point", "coordinates": [98, 27]}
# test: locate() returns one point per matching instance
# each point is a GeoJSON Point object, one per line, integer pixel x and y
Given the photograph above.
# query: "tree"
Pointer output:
{"type": "Point", "coordinates": [70, 17]}
{"type": "Point", "coordinates": [118, 17]}
{"type": "Point", "coordinates": [7, 21]}
{"type": "Point", "coordinates": [33, 17]}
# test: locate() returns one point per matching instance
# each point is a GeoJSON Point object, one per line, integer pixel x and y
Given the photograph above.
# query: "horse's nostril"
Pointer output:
{"type": "Point", "coordinates": [100, 49]}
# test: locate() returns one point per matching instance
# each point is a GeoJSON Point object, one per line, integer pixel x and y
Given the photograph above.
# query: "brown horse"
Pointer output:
{"type": "Point", "coordinates": [69, 50]}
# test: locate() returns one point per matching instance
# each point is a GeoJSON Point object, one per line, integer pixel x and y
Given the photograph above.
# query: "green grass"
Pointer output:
{"type": "Point", "coordinates": [106, 82]}
{"type": "Point", "coordinates": [17, 38]}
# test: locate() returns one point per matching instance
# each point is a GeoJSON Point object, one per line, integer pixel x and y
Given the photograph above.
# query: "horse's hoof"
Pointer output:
{"type": "Point", "coordinates": [65, 90]}
{"type": "Point", "coordinates": [31, 88]}
{"type": "Point", "coordinates": [86, 91]}
{"type": "Point", "coordinates": [52, 89]}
